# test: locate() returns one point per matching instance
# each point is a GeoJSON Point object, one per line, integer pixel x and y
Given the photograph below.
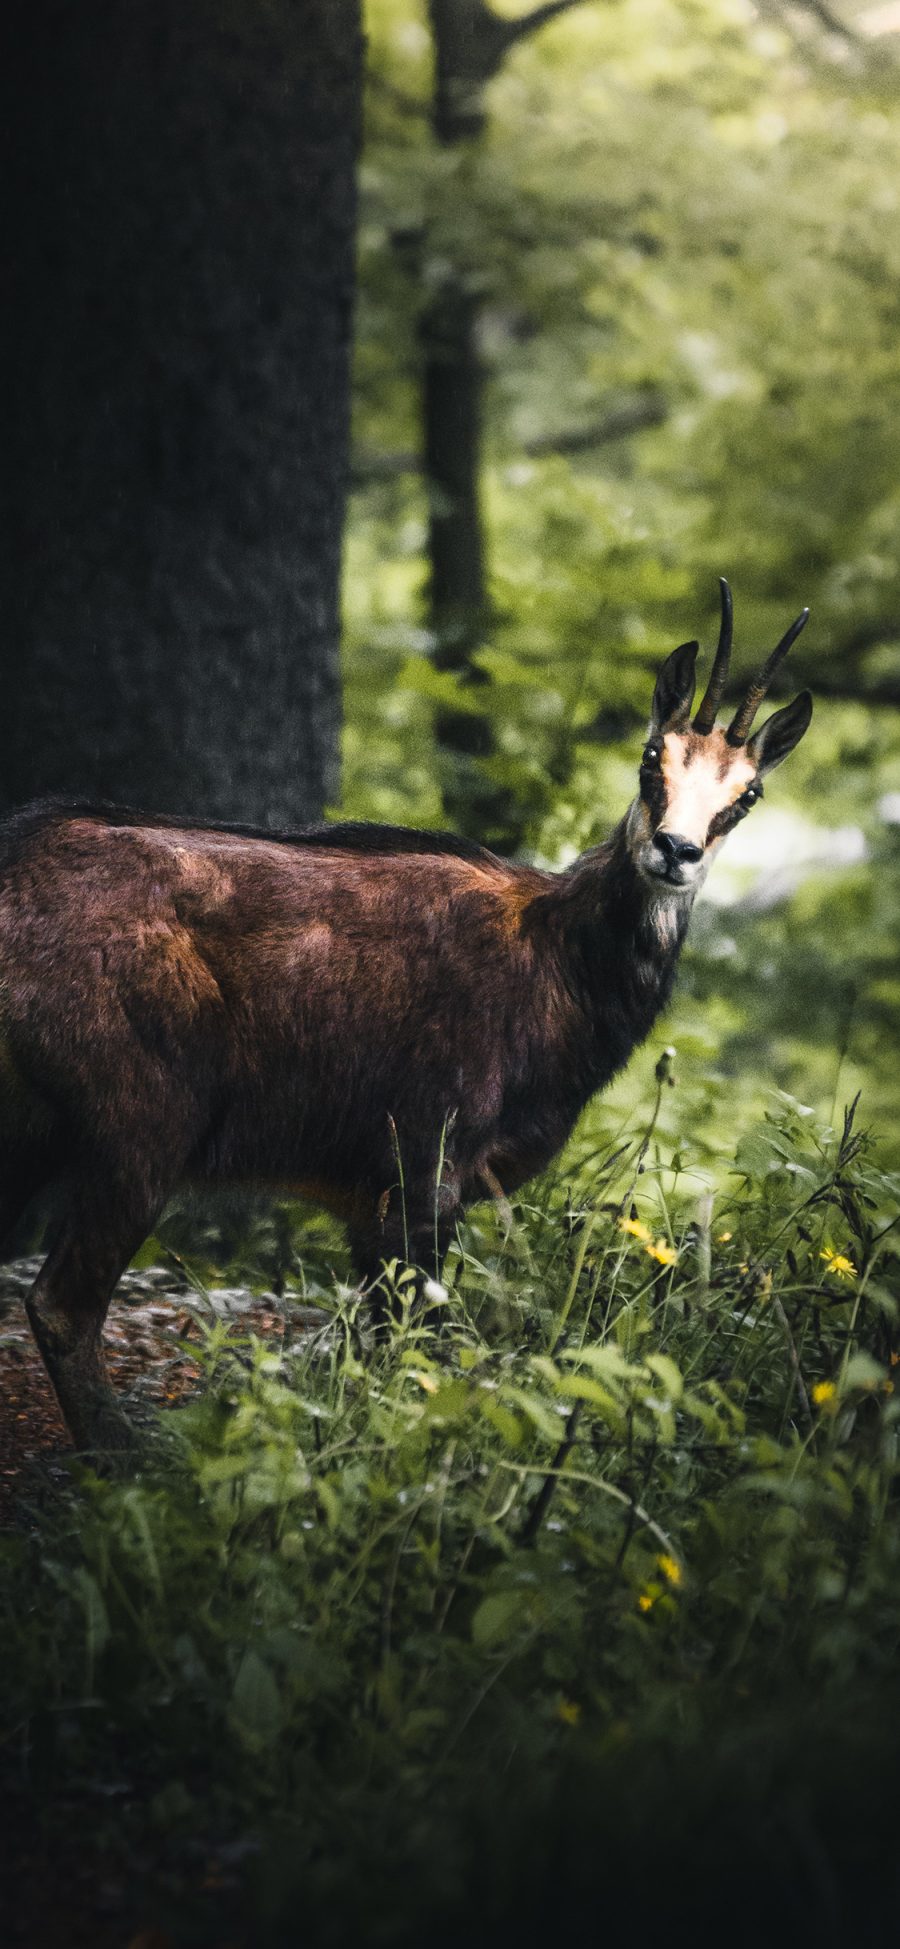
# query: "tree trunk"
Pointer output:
{"type": "Point", "coordinates": [177, 296]}
{"type": "Point", "coordinates": [457, 597]}
{"type": "Point", "coordinates": [451, 389]}
{"type": "Point", "coordinates": [470, 42]}
{"type": "Point", "coordinates": [451, 443]}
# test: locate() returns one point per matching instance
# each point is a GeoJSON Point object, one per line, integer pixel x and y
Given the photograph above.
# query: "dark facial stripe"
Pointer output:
{"type": "Point", "coordinates": [726, 819]}
{"type": "Point", "coordinates": [653, 793]}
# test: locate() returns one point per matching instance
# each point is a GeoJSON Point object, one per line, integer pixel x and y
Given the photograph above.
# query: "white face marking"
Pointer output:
{"type": "Point", "coordinates": [700, 777]}
{"type": "Point", "coordinates": [695, 787]}
{"type": "Point", "coordinates": [663, 915]}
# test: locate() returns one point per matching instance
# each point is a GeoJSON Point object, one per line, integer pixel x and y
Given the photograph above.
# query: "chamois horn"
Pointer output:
{"type": "Point", "coordinates": [718, 676]}
{"type": "Point", "coordinates": [746, 712]}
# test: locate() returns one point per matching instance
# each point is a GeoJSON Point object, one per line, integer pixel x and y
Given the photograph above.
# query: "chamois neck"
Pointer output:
{"type": "Point", "coordinates": [616, 944]}
{"type": "Point", "coordinates": [607, 896]}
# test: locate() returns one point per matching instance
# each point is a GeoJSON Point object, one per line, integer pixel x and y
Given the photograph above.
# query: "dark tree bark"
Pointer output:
{"type": "Point", "coordinates": [452, 454]}
{"type": "Point", "coordinates": [457, 591]}
{"type": "Point", "coordinates": [470, 45]}
{"type": "Point", "coordinates": [176, 298]}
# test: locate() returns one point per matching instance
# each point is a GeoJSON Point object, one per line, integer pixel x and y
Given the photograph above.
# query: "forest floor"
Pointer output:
{"type": "Point", "coordinates": [147, 1338]}
{"type": "Point", "coordinates": [572, 1612]}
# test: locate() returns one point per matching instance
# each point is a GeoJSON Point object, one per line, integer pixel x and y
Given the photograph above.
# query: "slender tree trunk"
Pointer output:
{"type": "Point", "coordinates": [452, 388]}
{"type": "Point", "coordinates": [470, 45]}
{"type": "Point", "coordinates": [176, 311]}
{"type": "Point", "coordinates": [457, 595]}
{"type": "Point", "coordinates": [452, 406]}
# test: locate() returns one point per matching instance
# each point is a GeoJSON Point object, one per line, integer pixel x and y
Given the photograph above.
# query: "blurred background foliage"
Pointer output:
{"type": "Point", "coordinates": [627, 320]}
{"type": "Point", "coordinates": [672, 229]}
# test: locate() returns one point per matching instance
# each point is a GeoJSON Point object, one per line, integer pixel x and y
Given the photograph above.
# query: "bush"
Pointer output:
{"type": "Point", "coordinates": [596, 1581]}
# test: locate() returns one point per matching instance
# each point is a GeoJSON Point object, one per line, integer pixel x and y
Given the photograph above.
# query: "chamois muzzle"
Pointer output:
{"type": "Point", "coordinates": [677, 851]}
{"type": "Point", "coordinates": [680, 858]}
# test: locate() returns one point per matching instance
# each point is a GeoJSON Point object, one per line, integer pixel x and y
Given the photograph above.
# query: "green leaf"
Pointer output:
{"type": "Point", "coordinates": [539, 1414]}
{"type": "Point", "coordinates": [508, 1425]}
{"type": "Point", "coordinates": [255, 1701]}
{"type": "Point", "coordinates": [608, 1362]}
{"type": "Point", "coordinates": [96, 1617]}
{"type": "Point", "coordinates": [668, 1372]}
{"type": "Point", "coordinates": [330, 1502]}
{"type": "Point", "coordinates": [863, 1371]}
{"type": "Point", "coordinates": [496, 1618]}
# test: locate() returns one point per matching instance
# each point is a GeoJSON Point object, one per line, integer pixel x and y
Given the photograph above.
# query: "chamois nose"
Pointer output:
{"type": "Point", "coordinates": [678, 851]}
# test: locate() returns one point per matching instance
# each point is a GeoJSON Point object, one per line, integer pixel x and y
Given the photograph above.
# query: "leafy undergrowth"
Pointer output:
{"type": "Point", "coordinates": [580, 1602]}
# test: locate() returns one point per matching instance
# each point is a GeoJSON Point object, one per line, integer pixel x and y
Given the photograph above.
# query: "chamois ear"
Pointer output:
{"type": "Point", "coordinates": [674, 693]}
{"type": "Point", "coordinates": [775, 740]}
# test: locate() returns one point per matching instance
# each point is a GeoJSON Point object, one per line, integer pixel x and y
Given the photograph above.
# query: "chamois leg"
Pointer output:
{"type": "Point", "coordinates": [67, 1305]}
{"type": "Point", "coordinates": [418, 1233]}
{"type": "Point", "coordinates": [20, 1179]}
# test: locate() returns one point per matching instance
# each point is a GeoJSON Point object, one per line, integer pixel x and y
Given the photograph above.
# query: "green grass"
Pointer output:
{"type": "Point", "coordinates": [584, 1605]}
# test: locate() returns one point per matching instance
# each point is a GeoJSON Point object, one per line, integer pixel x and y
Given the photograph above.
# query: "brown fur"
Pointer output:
{"type": "Point", "coordinates": [290, 1010]}
{"type": "Point", "coordinates": [391, 1022]}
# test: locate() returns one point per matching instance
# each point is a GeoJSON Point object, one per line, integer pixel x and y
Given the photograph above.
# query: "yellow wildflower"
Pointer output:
{"type": "Point", "coordinates": [838, 1264]}
{"type": "Point", "coordinates": [895, 1359]}
{"type": "Point", "coordinates": [569, 1711]}
{"type": "Point", "coordinates": [824, 1393]}
{"type": "Point", "coordinates": [724, 1237]}
{"type": "Point", "coordinates": [670, 1568]}
{"type": "Point", "coordinates": [645, 1601]}
{"type": "Point", "coordinates": [663, 1252]}
{"type": "Point", "coordinates": [635, 1228]}
{"type": "Point", "coordinates": [426, 1381]}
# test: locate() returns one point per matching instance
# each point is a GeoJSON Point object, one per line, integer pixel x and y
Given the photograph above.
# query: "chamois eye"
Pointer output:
{"type": "Point", "coordinates": [751, 795]}
{"type": "Point", "coordinates": [651, 757]}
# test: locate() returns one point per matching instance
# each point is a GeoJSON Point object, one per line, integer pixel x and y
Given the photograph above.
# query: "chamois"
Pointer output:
{"type": "Point", "coordinates": [299, 1010]}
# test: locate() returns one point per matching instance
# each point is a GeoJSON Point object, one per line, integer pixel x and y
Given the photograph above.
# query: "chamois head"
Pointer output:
{"type": "Point", "coordinates": [697, 780]}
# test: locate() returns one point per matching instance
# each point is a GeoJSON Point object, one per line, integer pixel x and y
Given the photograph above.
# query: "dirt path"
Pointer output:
{"type": "Point", "coordinates": [68, 1898]}
{"type": "Point", "coordinates": [148, 1335]}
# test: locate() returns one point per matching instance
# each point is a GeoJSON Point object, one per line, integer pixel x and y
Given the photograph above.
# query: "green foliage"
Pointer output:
{"type": "Point", "coordinates": [692, 204]}
{"type": "Point", "coordinates": [629, 1505]}
{"type": "Point", "coordinates": [586, 1605]}
{"type": "Point", "coordinates": [670, 199]}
